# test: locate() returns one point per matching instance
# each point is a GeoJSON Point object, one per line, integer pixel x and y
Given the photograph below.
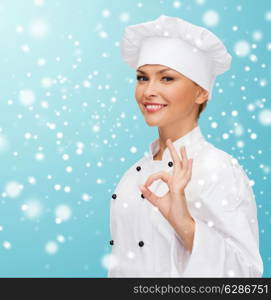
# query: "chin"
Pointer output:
{"type": "Point", "coordinates": [153, 122]}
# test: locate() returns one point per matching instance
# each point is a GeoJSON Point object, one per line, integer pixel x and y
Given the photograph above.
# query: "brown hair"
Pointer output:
{"type": "Point", "coordinates": [201, 108]}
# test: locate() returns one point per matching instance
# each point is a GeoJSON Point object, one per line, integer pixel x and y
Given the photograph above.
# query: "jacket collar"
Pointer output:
{"type": "Point", "coordinates": [190, 140]}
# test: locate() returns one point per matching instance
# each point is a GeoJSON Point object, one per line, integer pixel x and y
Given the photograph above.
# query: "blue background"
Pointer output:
{"type": "Point", "coordinates": [67, 100]}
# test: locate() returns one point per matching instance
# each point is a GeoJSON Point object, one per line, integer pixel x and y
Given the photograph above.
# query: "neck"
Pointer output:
{"type": "Point", "coordinates": [174, 134]}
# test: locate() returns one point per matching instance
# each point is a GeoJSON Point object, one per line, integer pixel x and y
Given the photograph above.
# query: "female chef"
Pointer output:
{"type": "Point", "coordinates": [187, 208]}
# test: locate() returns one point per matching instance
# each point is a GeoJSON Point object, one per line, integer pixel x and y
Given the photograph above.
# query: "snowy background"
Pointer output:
{"type": "Point", "coordinates": [70, 126]}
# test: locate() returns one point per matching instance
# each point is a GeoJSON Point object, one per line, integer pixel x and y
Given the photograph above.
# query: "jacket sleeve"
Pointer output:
{"type": "Point", "coordinates": [226, 238]}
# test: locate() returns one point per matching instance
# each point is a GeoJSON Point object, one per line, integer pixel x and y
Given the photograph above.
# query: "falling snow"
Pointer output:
{"type": "Point", "coordinates": [70, 125]}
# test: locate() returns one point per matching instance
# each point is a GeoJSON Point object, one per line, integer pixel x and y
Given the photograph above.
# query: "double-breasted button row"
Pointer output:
{"type": "Point", "coordinates": [170, 164]}
{"type": "Point", "coordinates": [114, 196]}
{"type": "Point", "coordinates": [140, 244]}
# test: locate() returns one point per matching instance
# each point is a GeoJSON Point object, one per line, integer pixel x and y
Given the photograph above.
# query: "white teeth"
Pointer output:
{"type": "Point", "coordinates": [154, 106]}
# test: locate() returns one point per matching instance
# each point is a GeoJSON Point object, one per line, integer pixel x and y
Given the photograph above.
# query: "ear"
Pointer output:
{"type": "Point", "coordinates": [202, 95]}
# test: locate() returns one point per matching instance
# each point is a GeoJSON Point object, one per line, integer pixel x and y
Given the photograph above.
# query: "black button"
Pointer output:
{"type": "Point", "coordinates": [141, 244]}
{"type": "Point", "coordinates": [138, 168]}
{"type": "Point", "coordinates": [142, 196]}
{"type": "Point", "coordinates": [114, 196]}
{"type": "Point", "coordinates": [170, 163]}
{"type": "Point", "coordinates": [111, 242]}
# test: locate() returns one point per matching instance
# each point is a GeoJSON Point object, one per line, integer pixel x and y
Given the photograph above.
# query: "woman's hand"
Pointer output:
{"type": "Point", "coordinates": [173, 204]}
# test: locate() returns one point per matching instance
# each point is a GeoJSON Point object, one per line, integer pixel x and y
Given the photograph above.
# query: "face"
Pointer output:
{"type": "Point", "coordinates": [177, 96]}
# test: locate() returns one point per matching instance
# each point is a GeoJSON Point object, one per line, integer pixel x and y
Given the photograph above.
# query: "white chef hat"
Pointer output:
{"type": "Point", "coordinates": [192, 50]}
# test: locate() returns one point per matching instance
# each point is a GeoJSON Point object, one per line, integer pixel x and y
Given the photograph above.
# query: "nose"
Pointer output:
{"type": "Point", "coordinates": [150, 90]}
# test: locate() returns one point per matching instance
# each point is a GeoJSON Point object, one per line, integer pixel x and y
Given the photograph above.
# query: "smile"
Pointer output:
{"type": "Point", "coordinates": [154, 108]}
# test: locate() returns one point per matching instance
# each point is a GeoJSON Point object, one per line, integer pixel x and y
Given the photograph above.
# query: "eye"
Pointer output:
{"type": "Point", "coordinates": [145, 78]}
{"type": "Point", "coordinates": [170, 78]}
{"type": "Point", "coordinates": [139, 77]}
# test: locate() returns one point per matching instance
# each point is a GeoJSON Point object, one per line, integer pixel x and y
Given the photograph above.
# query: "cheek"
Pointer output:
{"type": "Point", "coordinates": [178, 96]}
{"type": "Point", "coordinates": [138, 93]}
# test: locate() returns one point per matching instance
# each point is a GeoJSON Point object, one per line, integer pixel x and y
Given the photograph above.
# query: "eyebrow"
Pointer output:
{"type": "Point", "coordinates": [161, 71]}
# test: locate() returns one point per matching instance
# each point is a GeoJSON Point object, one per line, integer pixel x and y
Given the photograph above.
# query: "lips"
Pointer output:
{"type": "Point", "coordinates": [151, 108]}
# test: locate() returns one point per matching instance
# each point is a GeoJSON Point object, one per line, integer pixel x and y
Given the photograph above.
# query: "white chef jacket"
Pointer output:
{"type": "Point", "coordinates": [221, 202]}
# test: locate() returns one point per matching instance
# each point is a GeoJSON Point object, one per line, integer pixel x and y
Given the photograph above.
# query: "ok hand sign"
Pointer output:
{"type": "Point", "coordinates": [173, 204]}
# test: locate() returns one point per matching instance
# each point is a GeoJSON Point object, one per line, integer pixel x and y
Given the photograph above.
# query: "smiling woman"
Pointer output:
{"type": "Point", "coordinates": [177, 98]}
{"type": "Point", "coordinates": [187, 208]}
{"type": "Point", "coordinates": [201, 106]}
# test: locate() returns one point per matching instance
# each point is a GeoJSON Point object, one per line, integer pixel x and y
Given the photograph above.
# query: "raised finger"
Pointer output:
{"type": "Point", "coordinates": [184, 158]}
{"type": "Point", "coordinates": [188, 174]}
